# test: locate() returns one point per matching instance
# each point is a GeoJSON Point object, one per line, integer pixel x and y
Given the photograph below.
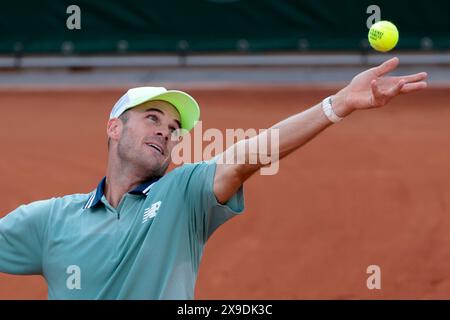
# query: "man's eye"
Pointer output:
{"type": "Point", "coordinates": [175, 134]}
{"type": "Point", "coordinates": [152, 117]}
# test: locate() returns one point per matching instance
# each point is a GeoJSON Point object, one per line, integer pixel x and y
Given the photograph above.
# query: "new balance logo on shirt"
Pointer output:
{"type": "Point", "coordinates": [151, 212]}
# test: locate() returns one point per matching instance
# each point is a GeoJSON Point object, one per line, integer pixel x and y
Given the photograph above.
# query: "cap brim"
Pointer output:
{"type": "Point", "coordinates": [186, 106]}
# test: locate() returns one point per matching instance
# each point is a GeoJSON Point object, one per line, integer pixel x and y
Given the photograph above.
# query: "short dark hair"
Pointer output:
{"type": "Point", "coordinates": [124, 117]}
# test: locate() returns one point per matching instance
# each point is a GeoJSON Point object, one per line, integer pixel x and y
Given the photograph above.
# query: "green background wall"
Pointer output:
{"type": "Point", "coordinates": [214, 25]}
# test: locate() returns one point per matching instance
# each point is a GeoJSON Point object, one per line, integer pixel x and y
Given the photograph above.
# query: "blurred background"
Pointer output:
{"type": "Point", "coordinates": [218, 41]}
{"type": "Point", "coordinates": [250, 63]}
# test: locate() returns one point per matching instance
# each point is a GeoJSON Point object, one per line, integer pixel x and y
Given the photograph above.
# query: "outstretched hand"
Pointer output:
{"type": "Point", "coordinates": [374, 88]}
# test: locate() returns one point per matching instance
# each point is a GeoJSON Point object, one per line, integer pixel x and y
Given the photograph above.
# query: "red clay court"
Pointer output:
{"type": "Point", "coordinates": [373, 189]}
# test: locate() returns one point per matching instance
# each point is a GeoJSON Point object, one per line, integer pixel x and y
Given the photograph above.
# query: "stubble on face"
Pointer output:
{"type": "Point", "coordinates": [132, 149]}
{"type": "Point", "coordinates": [127, 150]}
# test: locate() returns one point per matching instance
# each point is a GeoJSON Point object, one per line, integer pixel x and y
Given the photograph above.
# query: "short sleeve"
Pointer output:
{"type": "Point", "coordinates": [22, 237]}
{"type": "Point", "coordinates": [207, 213]}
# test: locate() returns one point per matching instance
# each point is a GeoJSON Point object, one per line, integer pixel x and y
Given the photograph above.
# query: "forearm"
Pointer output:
{"type": "Point", "coordinates": [287, 135]}
{"type": "Point", "coordinates": [247, 156]}
{"type": "Point", "coordinates": [300, 128]}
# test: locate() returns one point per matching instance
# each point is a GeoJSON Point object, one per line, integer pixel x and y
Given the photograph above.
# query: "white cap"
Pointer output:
{"type": "Point", "coordinates": [186, 105]}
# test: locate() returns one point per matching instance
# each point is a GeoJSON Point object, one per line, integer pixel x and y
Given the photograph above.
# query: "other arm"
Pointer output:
{"type": "Point", "coordinates": [369, 89]}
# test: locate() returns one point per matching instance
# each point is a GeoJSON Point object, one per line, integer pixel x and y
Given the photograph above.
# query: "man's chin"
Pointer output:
{"type": "Point", "coordinates": [157, 170]}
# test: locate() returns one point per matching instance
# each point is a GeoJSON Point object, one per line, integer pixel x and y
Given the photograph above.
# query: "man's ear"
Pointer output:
{"type": "Point", "coordinates": [114, 129]}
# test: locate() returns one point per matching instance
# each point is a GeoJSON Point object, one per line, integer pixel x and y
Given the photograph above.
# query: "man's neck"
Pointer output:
{"type": "Point", "coordinates": [116, 187]}
{"type": "Point", "coordinates": [119, 181]}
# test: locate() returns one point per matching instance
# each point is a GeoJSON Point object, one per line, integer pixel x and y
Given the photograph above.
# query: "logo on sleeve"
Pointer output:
{"type": "Point", "coordinates": [151, 212]}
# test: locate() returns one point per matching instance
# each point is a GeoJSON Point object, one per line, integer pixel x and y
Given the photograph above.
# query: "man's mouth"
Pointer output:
{"type": "Point", "coordinates": [156, 147]}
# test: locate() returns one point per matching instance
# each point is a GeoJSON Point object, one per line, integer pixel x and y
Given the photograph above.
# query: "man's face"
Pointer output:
{"type": "Point", "coordinates": [145, 139]}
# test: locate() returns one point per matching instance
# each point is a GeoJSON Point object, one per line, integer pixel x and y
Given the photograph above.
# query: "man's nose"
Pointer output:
{"type": "Point", "coordinates": [163, 133]}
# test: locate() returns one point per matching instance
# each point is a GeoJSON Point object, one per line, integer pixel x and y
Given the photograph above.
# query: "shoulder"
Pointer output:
{"type": "Point", "coordinates": [191, 172]}
{"type": "Point", "coordinates": [55, 205]}
{"type": "Point", "coordinates": [189, 168]}
{"type": "Point", "coordinates": [77, 199]}
{"type": "Point", "coordinates": [63, 200]}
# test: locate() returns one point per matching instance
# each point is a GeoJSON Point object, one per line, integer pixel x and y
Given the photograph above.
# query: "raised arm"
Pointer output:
{"type": "Point", "coordinates": [369, 89]}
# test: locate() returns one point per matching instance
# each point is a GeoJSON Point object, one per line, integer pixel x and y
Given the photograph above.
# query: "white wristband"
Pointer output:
{"type": "Point", "coordinates": [329, 112]}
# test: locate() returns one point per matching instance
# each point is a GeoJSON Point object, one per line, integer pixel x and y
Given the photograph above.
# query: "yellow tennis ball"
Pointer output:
{"type": "Point", "coordinates": [383, 36]}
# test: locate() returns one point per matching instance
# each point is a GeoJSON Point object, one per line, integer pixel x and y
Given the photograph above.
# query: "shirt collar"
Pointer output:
{"type": "Point", "coordinates": [97, 194]}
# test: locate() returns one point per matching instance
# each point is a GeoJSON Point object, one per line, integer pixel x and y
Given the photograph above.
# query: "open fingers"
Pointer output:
{"type": "Point", "coordinates": [381, 96]}
{"type": "Point", "coordinates": [414, 77]}
{"type": "Point", "coordinates": [409, 87]}
{"type": "Point", "coordinates": [386, 66]}
{"type": "Point", "coordinates": [392, 92]}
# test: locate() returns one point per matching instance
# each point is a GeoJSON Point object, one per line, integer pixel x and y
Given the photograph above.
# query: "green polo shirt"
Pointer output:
{"type": "Point", "coordinates": [149, 247]}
